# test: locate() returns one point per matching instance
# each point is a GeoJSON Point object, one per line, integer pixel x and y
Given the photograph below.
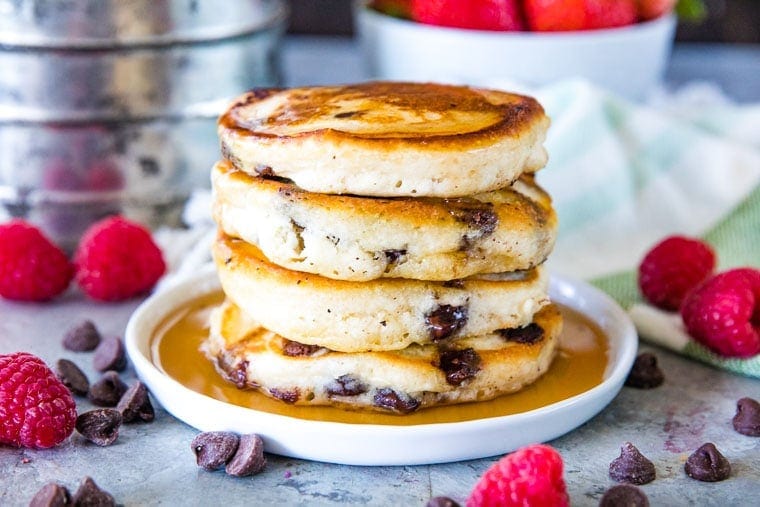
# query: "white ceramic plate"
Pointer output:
{"type": "Point", "coordinates": [370, 444]}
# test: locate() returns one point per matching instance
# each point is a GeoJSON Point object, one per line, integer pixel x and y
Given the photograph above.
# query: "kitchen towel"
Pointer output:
{"type": "Point", "coordinates": [624, 176]}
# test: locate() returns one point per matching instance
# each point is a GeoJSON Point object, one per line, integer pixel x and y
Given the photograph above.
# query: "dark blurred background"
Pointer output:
{"type": "Point", "coordinates": [736, 21]}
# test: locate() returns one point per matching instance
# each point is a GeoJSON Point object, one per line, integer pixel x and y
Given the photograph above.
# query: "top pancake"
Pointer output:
{"type": "Point", "coordinates": [387, 139]}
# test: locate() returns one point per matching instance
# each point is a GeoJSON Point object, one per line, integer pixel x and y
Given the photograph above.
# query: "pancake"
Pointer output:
{"type": "Point", "coordinates": [468, 369]}
{"type": "Point", "coordinates": [382, 314]}
{"type": "Point", "coordinates": [361, 238]}
{"type": "Point", "coordinates": [386, 139]}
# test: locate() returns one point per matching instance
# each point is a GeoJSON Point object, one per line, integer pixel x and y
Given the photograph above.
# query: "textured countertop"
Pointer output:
{"type": "Point", "coordinates": [152, 464]}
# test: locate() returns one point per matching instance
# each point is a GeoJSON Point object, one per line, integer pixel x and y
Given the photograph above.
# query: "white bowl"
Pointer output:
{"type": "Point", "coordinates": [628, 60]}
{"type": "Point", "coordinates": [374, 444]}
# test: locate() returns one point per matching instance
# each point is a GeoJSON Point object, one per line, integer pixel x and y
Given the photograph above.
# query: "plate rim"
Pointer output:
{"type": "Point", "coordinates": [568, 291]}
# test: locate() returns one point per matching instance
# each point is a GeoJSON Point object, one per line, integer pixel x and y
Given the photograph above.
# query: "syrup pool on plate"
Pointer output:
{"type": "Point", "coordinates": [580, 364]}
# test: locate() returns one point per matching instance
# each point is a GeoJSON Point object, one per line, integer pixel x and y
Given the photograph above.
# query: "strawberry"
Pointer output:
{"type": "Point", "coordinates": [568, 15]}
{"type": "Point", "coordinates": [492, 15]}
{"type": "Point", "coordinates": [555, 15]}
{"type": "Point", "coordinates": [651, 9]}
{"type": "Point", "coordinates": [610, 13]}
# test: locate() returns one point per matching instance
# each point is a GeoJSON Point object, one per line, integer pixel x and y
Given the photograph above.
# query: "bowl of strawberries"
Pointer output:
{"type": "Point", "coordinates": [620, 45]}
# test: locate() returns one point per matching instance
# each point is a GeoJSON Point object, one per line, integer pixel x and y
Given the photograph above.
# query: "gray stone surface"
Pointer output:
{"type": "Point", "coordinates": [152, 464]}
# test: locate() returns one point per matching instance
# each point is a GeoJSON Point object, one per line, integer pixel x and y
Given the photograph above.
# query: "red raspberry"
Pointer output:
{"type": "Point", "coordinates": [480, 15]}
{"type": "Point", "coordinates": [117, 259]}
{"type": "Point", "coordinates": [32, 268]}
{"type": "Point", "coordinates": [36, 409]}
{"type": "Point", "coordinates": [529, 476]}
{"type": "Point", "coordinates": [723, 313]}
{"type": "Point", "coordinates": [672, 268]}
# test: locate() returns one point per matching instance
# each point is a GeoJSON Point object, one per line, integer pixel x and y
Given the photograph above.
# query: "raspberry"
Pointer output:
{"type": "Point", "coordinates": [529, 476]}
{"type": "Point", "coordinates": [32, 268]}
{"type": "Point", "coordinates": [36, 409]}
{"type": "Point", "coordinates": [117, 259]}
{"type": "Point", "coordinates": [672, 268]}
{"type": "Point", "coordinates": [723, 313]}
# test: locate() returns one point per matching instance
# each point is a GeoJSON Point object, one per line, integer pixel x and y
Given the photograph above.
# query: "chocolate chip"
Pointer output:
{"type": "Point", "coordinates": [262, 93]}
{"type": "Point", "coordinates": [51, 495]}
{"type": "Point", "coordinates": [445, 320]}
{"type": "Point", "coordinates": [135, 404]}
{"type": "Point", "coordinates": [747, 418]}
{"type": "Point", "coordinates": [454, 284]}
{"type": "Point", "coordinates": [107, 391]}
{"type": "Point", "coordinates": [529, 334]}
{"type": "Point", "coordinates": [263, 170]}
{"type": "Point", "coordinates": [72, 377]}
{"type": "Point", "coordinates": [398, 402]}
{"type": "Point", "coordinates": [239, 375]}
{"type": "Point", "coordinates": [346, 114]}
{"type": "Point", "coordinates": [99, 426]}
{"type": "Point", "coordinates": [645, 374]}
{"type": "Point", "coordinates": [346, 385]}
{"type": "Point", "coordinates": [624, 495]}
{"type": "Point", "coordinates": [90, 495]}
{"type": "Point", "coordinates": [295, 349]}
{"type": "Point", "coordinates": [459, 365]}
{"type": "Point", "coordinates": [632, 466]}
{"type": "Point", "coordinates": [214, 449]}
{"type": "Point", "coordinates": [110, 355]}
{"type": "Point", "coordinates": [441, 501]}
{"type": "Point", "coordinates": [707, 464]}
{"type": "Point", "coordinates": [82, 338]}
{"type": "Point", "coordinates": [249, 458]}
{"type": "Point", "coordinates": [476, 214]}
{"type": "Point", "coordinates": [394, 256]}
{"type": "Point", "coordinates": [149, 166]}
{"type": "Point", "coordinates": [287, 395]}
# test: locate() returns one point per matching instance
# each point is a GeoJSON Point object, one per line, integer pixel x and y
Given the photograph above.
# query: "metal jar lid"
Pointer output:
{"type": "Point", "coordinates": [103, 24]}
{"type": "Point", "coordinates": [117, 60]}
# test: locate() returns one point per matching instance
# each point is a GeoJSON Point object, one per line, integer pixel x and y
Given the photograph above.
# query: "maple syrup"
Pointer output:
{"type": "Point", "coordinates": [582, 358]}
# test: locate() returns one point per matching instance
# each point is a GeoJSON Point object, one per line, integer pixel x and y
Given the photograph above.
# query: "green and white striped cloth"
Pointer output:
{"type": "Point", "coordinates": [624, 176]}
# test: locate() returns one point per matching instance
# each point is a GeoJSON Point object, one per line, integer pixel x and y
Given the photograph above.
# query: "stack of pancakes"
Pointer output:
{"type": "Point", "coordinates": [380, 245]}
